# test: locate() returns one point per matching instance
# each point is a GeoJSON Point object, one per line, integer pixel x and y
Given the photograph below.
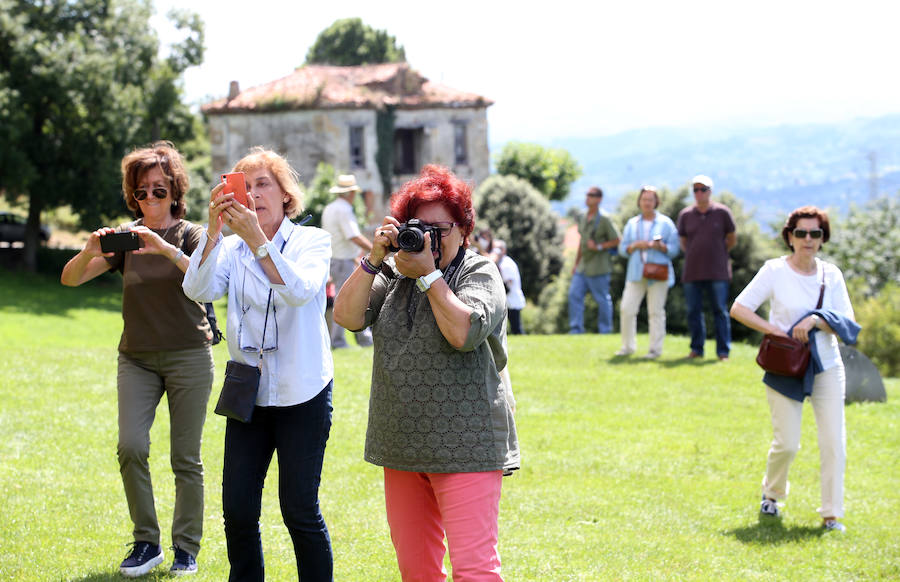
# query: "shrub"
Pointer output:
{"type": "Point", "coordinates": [880, 320]}
{"type": "Point", "coordinates": [551, 171]}
{"type": "Point", "coordinates": [518, 214]}
{"type": "Point", "coordinates": [318, 196]}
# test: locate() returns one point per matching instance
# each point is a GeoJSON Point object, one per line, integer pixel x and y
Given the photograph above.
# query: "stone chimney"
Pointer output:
{"type": "Point", "coordinates": [234, 89]}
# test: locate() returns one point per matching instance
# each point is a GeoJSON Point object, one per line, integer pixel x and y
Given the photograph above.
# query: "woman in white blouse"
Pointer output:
{"type": "Point", "coordinates": [274, 273]}
{"type": "Point", "coordinates": [792, 285]}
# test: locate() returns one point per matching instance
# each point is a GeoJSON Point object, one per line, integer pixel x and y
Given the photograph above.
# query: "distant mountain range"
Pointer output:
{"type": "Point", "coordinates": [772, 169]}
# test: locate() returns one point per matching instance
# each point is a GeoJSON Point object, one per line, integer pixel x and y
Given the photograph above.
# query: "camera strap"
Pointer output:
{"type": "Point", "coordinates": [454, 265]}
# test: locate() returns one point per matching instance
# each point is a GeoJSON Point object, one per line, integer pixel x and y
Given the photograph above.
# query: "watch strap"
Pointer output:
{"type": "Point", "coordinates": [424, 282]}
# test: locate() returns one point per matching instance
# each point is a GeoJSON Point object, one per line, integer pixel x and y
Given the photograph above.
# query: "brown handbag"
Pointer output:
{"type": "Point", "coordinates": [786, 356]}
{"type": "Point", "coordinates": [656, 271]}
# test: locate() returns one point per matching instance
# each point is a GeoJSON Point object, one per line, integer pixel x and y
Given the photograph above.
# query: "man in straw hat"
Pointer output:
{"type": "Point", "coordinates": [339, 220]}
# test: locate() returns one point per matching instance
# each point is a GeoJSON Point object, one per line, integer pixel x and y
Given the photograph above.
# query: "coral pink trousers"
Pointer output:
{"type": "Point", "coordinates": [423, 507]}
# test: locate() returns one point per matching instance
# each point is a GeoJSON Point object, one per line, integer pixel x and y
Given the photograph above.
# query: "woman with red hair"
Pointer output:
{"type": "Point", "coordinates": [439, 420]}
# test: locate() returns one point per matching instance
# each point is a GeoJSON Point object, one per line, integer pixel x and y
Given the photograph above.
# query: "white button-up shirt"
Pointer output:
{"type": "Point", "coordinates": [301, 366]}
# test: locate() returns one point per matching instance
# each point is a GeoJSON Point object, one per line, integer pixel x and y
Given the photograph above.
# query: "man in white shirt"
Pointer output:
{"type": "Point", "coordinates": [339, 220]}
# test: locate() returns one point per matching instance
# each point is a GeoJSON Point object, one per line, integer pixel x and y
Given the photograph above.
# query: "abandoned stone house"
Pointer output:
{"type": "Point", "coordinates": [380, 122]}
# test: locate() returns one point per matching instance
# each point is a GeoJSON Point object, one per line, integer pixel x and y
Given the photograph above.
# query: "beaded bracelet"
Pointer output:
{"type": "Point", "coordinates": [367, 266]}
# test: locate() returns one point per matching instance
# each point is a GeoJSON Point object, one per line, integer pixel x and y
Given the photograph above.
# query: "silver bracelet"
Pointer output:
{"type": "Point", "coordinates": [178, 256]}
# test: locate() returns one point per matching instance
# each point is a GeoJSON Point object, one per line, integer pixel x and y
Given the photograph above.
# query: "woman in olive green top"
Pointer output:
{"type": "Point", "coordinates": [439, 420]}
{"type": "Point", "coordinates": [164, 349]}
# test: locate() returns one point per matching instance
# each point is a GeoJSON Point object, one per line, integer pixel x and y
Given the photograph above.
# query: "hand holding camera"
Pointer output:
{"type": "Point", "coordinates": [411, 236]}
{"type": "Point", "coordinates": [114, 242]}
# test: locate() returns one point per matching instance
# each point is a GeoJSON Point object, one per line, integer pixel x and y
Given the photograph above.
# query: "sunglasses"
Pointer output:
{"type": "Point", "coordinates": [701, 189]}
{"type": "Point", "coordinates": [595, 195]}
{"type": "Point", "coordinates": [814, 233]}
{"type": "Point", "coordinates": [158, 192]}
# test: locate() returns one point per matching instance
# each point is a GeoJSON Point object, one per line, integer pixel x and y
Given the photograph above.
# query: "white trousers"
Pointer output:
{"type": "Point", "coordinates": [632, 296]}
{"type": "Point", "coordinates": [828, 405]}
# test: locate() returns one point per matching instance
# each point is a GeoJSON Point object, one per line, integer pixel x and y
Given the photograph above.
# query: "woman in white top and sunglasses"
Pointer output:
{"type": "Point", "coordinates": [275, 274]}
{"type": "Point", "coordinates": [792, 285]}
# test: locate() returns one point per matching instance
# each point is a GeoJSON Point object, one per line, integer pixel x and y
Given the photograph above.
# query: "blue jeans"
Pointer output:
{"type": "Point", "coordinates": [299, 434]}
{"type": "Point", "coordinates": [717, 293]}
{"type": "Point", "coordinates": [599, 288]}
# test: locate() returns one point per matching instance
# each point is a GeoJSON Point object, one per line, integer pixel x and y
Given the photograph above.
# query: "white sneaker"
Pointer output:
{"type": "Point", "coordinates": [834, 525]}
{"type": "Point", "coordinates": [624, 352]}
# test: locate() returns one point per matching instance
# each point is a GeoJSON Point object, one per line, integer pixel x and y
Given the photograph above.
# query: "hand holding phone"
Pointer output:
{"type": "Point", "coordinates": [120, 242]}
{"type": "Point", "coordinates": [236, 183]}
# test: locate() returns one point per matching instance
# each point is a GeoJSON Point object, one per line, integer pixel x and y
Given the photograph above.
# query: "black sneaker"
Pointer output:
{"type": "Point", "coordinates": [769, 507]}
{"type": "Point", "coordinates": [144, 557]}
{"type": "Point", "coordinates": [184, 563]}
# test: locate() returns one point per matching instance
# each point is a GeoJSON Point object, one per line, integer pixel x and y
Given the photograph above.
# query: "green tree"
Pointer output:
{"type": "Point", "coordinates": [350, 42]}
{"type": "Point", "coordinates": [81, 83]}
{"type": "Point", "coordinates": [318, 196]}
{"type": "Point", "coordinates": [866, 245]}
{"type": "Point", "coordinates": [551, 171]}
{"type": "Point", "coordinates": [518, 214]}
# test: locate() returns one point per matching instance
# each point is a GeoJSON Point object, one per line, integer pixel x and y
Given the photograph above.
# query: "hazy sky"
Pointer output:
{"type": "Point", "coordinates": [581, 68]}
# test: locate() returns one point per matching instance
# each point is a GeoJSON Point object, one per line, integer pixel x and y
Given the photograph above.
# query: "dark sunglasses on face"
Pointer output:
{"type": "Point", "coordinates": [814, 233]}
{"type": "Point", "coordinates": [701, 189]}
{"type": "Point", "coordinates": [158, 192]}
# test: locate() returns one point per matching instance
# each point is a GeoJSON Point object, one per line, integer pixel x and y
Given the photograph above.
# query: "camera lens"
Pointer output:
{"type": "Point", "coordinates": [411, 239]}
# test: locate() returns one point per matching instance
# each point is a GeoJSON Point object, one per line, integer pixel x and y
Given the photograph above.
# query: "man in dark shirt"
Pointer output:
{"type": "Point", "coordinates": [707, 233]}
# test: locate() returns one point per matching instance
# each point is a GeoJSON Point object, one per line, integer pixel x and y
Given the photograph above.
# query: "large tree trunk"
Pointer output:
{"type": "Point", "coordinates": [32, 234]}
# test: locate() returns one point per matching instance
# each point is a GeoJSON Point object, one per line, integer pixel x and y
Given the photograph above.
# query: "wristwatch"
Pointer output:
{"type": "Point", "coordinates": [424, 282]}
{"type": "Point", "coordinates": [261, 251]}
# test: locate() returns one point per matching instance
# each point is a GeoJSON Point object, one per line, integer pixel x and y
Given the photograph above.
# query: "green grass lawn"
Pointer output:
{"type": "Point", "coordinates": [632, 470]}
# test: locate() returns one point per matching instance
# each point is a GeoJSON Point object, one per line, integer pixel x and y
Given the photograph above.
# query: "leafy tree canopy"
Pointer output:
{"type": "Point", "coordinates": [551, 171]}
{"type": "Point", "coordinates": [866, 245]}
{"type": "Point", "coordinates": [521, 216]}
{"type": "Point", "coordinates": [80, 84]}
{"type": "Point", "coordinates": [350, 42]}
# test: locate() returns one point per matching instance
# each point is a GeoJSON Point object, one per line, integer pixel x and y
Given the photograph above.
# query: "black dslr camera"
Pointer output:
{"type": "Point", "coordinates": [411, 236]}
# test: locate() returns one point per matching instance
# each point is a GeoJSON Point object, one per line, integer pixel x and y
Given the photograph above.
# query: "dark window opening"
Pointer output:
{"type": "Point", "coordinates": [407, 144]}
{"type": "Point", "coordinates": [357, 147]}
{"type": "Point", "coordinates": [460, 148]}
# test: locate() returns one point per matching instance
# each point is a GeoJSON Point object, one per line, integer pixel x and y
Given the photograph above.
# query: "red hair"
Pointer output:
{"type": "Point", "coordinates": [436, 184]}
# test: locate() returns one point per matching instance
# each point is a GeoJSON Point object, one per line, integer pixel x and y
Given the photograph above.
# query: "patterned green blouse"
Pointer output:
{"type": "Point", "coordinates": [434, 408]}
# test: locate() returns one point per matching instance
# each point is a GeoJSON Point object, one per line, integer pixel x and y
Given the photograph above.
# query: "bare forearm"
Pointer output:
{"type": "Point", "coordinates": [751, 319]}
{"type": "Point", "coordinates": [353, 299]}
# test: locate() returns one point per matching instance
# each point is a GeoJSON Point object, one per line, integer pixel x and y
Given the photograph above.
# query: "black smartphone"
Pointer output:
{"type": "Point", "coordinates": [120, 241]}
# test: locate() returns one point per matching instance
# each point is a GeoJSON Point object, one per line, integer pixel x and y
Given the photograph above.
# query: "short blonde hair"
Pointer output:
{"type": "Point", "coordinates": [287, 177]}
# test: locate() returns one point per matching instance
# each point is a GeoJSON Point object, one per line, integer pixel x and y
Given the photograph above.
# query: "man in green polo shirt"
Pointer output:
{"type": "Point", "coordinates": [593, 265]}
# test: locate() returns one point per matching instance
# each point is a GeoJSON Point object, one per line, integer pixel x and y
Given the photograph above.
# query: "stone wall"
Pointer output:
{"type": "Point", "coordinates": [309, 137]}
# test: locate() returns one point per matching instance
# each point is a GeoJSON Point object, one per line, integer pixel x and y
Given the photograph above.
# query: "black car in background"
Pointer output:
{"type": "Point", "coordinates": [12, 228]}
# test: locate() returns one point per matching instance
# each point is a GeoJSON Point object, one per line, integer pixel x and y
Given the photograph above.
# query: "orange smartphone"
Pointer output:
{"type": "Point", "coordinates": [236, 183]}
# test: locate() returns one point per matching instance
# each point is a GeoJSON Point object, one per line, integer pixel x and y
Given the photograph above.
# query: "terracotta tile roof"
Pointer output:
{"type": "Point", "coordinates": [333, 87]}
